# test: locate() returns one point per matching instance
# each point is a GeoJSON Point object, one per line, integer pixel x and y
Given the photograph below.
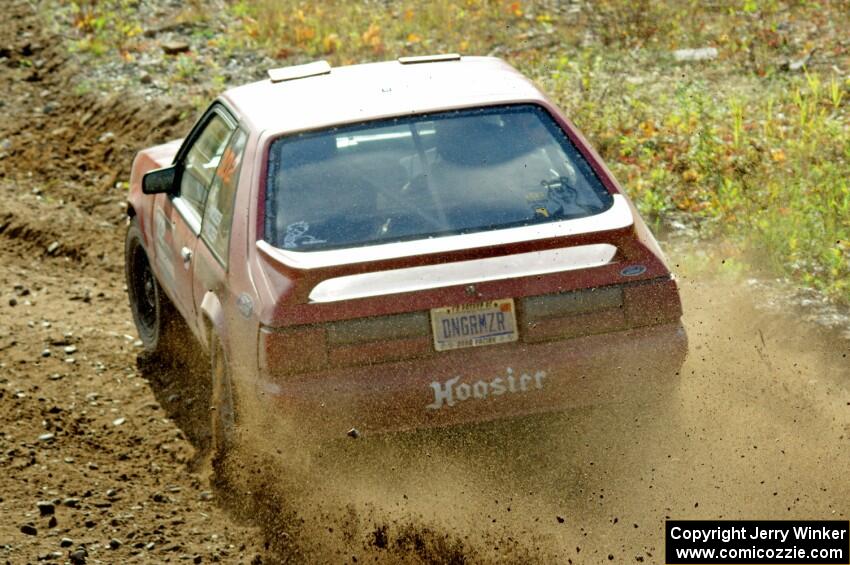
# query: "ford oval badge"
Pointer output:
{"type": "Point", "coordinates": [633, 271]}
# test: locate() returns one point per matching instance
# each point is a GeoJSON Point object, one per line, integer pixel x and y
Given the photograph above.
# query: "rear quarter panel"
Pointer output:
{"type": "Point", "coordinates": [232, 313]}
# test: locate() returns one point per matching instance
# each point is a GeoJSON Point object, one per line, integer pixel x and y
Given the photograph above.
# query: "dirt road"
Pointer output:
{"type": "Point", "coordinates": [95, 466]}
{"type": "Point", "coordinates": [80, 431]}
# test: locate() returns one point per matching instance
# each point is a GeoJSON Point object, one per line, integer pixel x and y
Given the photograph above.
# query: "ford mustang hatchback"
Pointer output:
{"type": "Point", "coordinates": [398, 245]}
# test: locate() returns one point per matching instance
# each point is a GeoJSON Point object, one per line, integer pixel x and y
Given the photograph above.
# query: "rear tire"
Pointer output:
{"type": "Point", "coordinates": [157, 321]}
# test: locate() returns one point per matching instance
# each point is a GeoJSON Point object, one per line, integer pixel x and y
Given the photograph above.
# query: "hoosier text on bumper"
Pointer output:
{"type": "Point", "coordinates": [450, 392]}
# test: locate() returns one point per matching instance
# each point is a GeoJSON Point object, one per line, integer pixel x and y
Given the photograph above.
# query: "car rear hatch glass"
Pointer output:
{"type": "Point", "coordinates": [424, 176]}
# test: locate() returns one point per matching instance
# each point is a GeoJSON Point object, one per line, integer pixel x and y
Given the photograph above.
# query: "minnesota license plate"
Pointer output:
{"type": "Point", "coordinates": [472, 325]}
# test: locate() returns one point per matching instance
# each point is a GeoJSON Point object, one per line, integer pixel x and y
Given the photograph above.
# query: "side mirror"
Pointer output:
{"type": "Point", "coordinates": [160, 181]}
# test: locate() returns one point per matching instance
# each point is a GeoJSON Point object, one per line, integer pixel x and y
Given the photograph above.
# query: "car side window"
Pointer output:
{"type": "Point", "coordinates": [218, 214]}
{"type": "Point", "coordinates": [202, 160]}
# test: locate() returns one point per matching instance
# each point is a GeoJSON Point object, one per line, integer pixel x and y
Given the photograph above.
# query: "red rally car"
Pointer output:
{"type": "Point", "coordinates": [397, 245]}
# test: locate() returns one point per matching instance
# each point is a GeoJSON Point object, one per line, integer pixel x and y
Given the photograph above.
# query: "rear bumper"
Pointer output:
{"type": "Point", "coordinates": [484, 383]}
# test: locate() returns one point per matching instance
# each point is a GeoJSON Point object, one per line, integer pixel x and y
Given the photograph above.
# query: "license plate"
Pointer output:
{"type": "Point", "coordinates": [472, 325]}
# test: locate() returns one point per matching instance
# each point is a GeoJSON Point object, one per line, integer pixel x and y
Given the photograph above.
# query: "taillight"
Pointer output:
{"type": "Point", "coordinates": [572, 303]}
{"type": "Point", "coordinates": [380, 328]}
{"type": "Point", "coordinates": [300, 350]}
{"type": "Point", "coordinates": [600, 310]}
{"type": "Point", "coordinates": [380, 339]}
{"type": "Point", "coordinates": [572, 314]}
{"type": "Point", "coordinates": [361, 341]}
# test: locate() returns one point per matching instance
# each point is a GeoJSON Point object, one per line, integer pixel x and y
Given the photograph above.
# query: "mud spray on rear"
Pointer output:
{"type": "Point", "coordinates": [750, 431]}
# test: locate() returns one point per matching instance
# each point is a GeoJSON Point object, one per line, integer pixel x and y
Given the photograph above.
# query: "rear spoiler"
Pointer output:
{"type": "Point", "coordinates": [618, 216]}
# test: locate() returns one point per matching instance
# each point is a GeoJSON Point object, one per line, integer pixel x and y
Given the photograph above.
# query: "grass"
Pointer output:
{"type": "Point", "coordinates": [741, 147]}
{"type": "Point", "coordinates": [103, 25]}
{"type": "Point", "coordinates": [769, 171]}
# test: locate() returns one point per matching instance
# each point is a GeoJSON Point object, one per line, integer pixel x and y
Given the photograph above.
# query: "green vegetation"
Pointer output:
{"type": "Point", "coordinates": [103, 26]}
{"type": "Point", "coordinates": [752, 147]}
{"type": "Point", "coordinates": [766, 168]}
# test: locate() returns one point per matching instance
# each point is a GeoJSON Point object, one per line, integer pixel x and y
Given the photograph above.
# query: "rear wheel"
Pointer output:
{"type": "Point", "coordinates": [157, 322]}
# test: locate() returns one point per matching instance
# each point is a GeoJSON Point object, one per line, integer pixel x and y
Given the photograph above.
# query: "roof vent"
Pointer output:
{"type": "Point", "coordinates": [299, 71]}
{"type": "Point", "coordinates": [429, 59]}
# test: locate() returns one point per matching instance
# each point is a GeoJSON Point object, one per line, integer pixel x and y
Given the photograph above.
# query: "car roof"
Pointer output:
{"type": "Point", "coordinates": [358, 93]}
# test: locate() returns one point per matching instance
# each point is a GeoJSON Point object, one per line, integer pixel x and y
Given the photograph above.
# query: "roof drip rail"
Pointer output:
{"type": "Point", "coordinates": [299, 71]}
{"type": "Point", "coordinates": [429, 59]}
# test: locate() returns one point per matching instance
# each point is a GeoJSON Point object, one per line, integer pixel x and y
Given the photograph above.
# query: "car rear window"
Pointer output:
{"type": "Point", "coordinates": [426, 176]}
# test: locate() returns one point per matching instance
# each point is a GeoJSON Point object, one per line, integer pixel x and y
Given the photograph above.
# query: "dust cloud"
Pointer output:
{"type": "Point", "coordinates": [758, 428]}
